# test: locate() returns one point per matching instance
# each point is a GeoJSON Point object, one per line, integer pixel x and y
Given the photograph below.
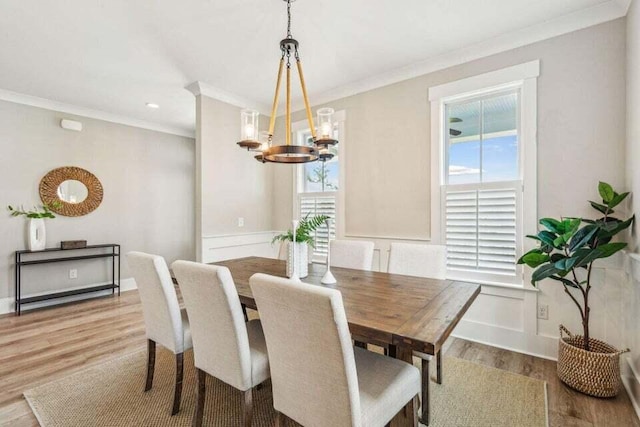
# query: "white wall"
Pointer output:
{"type": "Point", "coordinates": [631, 312]}
{"type": "Point", "coordinates": [581, 132]}
{"type": "Point", "coordinates": [148, 184]}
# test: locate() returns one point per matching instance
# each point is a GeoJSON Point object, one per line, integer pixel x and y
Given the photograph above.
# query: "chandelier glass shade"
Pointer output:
{"type": "Point", "coordinates": [254, 140]}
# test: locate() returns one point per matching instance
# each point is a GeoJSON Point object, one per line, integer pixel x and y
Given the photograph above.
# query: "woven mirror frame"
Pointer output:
{"type": "Point", "coordinates": [52, 180]}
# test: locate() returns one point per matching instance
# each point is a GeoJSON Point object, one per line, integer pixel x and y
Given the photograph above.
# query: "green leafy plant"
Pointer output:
{"type": "Point", "coordinates": [305, 230]}
{"type": "Point", "coordinates": [43, 212]}
{"type": "Point", "coordinates": [568, 248]}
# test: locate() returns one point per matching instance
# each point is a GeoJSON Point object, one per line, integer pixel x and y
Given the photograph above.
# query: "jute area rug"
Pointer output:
{"type": "Point", "coordinates": [112, 394]}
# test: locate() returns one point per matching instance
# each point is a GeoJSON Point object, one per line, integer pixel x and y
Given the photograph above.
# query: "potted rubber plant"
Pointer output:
{"type": "Point", "coordinates": [566, 253]}
{"type": "Point", "coordinates": [304, 238]}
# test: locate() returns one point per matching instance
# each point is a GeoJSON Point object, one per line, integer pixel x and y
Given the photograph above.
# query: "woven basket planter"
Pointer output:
{"type": "Point", "coordinates": [595, 372]}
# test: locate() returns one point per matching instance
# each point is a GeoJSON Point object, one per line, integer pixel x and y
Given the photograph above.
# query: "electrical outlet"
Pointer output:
{"type": "Point", "coordinates": [73, 273]}
{"type": "Point", "coordinates": [240, 222]}
{"type": "Point", "coordinates": [543, 312]}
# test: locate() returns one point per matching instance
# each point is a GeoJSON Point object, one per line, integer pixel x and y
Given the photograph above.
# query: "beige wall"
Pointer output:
{"type": "Point", "coordinates": [631, 312]}
{"type": "Point", "coordinates": [580, 135]}
{"type": "Point", "coordinates": [148, 191]}
{"type": "Point", "coordinates": [633, 111]}
{"type": "Point", "coordinates": [232, 184]}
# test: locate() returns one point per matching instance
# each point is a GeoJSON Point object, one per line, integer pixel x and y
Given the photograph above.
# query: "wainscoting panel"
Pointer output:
{"type": "Point", "coordinates": [498, 311]}
{"type": "Point", "coordinates": [631, 329]}
{"type": "Point", "coordinates": [229, 246]}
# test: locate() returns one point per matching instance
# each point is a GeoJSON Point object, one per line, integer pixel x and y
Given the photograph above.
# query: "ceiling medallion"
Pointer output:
{"type": "Point", "coordinates": [254, 140]}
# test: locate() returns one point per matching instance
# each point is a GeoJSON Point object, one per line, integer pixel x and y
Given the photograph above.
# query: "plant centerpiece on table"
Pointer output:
{"type": "Point", "coordinates": [304, 238]}
{"type": "Point", "coordinates": [566, 252]}
{"type": "Point", "coordinates": [37, 231]}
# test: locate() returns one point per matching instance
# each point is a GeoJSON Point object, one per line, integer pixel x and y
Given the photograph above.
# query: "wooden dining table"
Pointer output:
{"type": "Point", "coordinates": [400, 313]}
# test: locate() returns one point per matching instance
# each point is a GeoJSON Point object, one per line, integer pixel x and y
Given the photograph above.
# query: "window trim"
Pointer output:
{"type": "Point", "coordinates": [523, 76]}
{"type": "Point", "coordinates": [340, 118]}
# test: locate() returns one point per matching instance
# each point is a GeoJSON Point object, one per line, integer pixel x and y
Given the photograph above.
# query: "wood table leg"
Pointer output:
{"type": "Point", "coordinates": [424, 416]}
{"type": "Point", "coordinates": [244, 312]}
{"type": "Point", "coordinates": [439, 367]}
{"type": "Point", "coordinates": [406, 417]}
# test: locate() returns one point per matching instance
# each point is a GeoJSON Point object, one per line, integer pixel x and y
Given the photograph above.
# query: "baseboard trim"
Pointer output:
{"type": "Point", "coordinates": [507, 339]}
{"type": "Point", "coordinates": [7, 304]}
{"type": "Point", "coordinates": [632, 384]}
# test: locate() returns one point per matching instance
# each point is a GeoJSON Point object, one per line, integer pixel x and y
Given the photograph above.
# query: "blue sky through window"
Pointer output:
{"type": "Point", "coordinates": [499, 160]}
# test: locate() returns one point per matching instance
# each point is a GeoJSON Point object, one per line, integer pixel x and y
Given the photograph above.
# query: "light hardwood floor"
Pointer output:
{"type": "Point", "coordinates": [43, 345]}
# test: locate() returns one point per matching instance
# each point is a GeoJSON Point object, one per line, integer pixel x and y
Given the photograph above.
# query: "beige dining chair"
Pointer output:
{"type": "Point", "coordinates": [429, 261]}
{"type": "Point", "coordinates": [224, 346]}
{"type": "Point", "coordinates": [354, 254]}
{"type": "Point", "coordinates": [318, 377]}
{"type": "Point", "coordinates": [165, 323]}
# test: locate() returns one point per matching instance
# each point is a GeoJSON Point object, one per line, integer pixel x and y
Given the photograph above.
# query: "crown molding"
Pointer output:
{"type": "Point", "coordinates": [624, 4]}
{"type": "Point", "coordinates": [48, 104]}
{"type": "Point", "coordinates": [598, 14]}
{"type": "Point", "coordinates": [198, 88]}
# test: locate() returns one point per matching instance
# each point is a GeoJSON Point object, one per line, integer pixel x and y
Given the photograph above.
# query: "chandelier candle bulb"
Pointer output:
{"type": "Point", "coordinates": [264, 140]}
{"type": "Point", "coordinates": [325, 126]}
{"type": "Point", "coordinates": [248, 129]}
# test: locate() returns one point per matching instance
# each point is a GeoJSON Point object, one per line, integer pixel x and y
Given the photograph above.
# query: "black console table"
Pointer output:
{"type": "Point", "coordinates": [113, 253]}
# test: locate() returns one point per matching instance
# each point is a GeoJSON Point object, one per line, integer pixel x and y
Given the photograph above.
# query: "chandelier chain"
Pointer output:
{"type": "Point", "coordinates": [288, 57]}
{"type": "Point", "coordinates": [288, 19]}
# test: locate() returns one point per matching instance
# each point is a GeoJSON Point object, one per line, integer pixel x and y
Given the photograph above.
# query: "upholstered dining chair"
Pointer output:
{"type": "Point", "coordinates": [224, 346]}
{"type": "Point", "coordinates": [318, 377]}
{"type": "Point", "coordinates": [428, 261]}
{"type": "Point", "coordinates": [354, 254]}
{"type": "Point", "coordinates": [165, 323]}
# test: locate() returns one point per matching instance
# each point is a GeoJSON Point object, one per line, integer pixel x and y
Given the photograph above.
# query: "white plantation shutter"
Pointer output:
{"type": "Point", "coordinates": [324, 204]}
{"type": "Point", "coordinates": [481, 230]}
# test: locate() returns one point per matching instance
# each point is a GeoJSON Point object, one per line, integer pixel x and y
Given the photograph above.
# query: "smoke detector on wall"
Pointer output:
{"type": "Point", "coordinates": [71, 125]}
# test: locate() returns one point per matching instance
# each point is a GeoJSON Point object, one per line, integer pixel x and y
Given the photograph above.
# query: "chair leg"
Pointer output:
{"type": "Point", "coordinates": [201, 379]}
{"type": "Point", "coordinates": [439, 367]}
{"type": "Point", "coordinates": [416, 415]}
{"type": "Point", "coordinates": [244, 312]}
{"type": "Point", "coordinates": [247, 409]}
{"type": "Point", "coordinates": [424, 417]}
{"type": "Point", "coordinates": [360, 344]}
{"type": "Point", "coordinates": [151, 363]}
{"type": "Point", "coordinates": [177, 394]}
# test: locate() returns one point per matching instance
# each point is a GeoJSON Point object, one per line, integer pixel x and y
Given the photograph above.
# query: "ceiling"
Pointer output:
{"type": "Point", "coordinates": [116, 55]}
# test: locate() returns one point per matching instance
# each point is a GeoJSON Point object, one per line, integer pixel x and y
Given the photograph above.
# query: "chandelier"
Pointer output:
{"type": "Point", "coordinates": [254, 140]}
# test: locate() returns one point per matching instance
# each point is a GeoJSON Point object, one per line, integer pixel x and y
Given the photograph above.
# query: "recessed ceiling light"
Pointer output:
{"type": "Point", "coordinates": [152, 105]}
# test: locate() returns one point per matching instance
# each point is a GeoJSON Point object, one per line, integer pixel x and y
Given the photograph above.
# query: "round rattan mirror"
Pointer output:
{"type": "Point", "coordinates": [71, 191]}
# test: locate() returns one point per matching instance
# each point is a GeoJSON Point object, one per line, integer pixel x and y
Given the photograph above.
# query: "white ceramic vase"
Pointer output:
{"type": "Point", "coordinates": [301, 259]}
{"type": "Point", "coordinates": [37, 234]}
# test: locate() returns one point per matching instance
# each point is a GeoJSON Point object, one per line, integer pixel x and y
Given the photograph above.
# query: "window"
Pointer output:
{"type": "Point", "coordinates": [483, 137]}
{"type": "Point", "coordinates": [482, 184]}
{"type": "Point", "coordinates": [317, 189]}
